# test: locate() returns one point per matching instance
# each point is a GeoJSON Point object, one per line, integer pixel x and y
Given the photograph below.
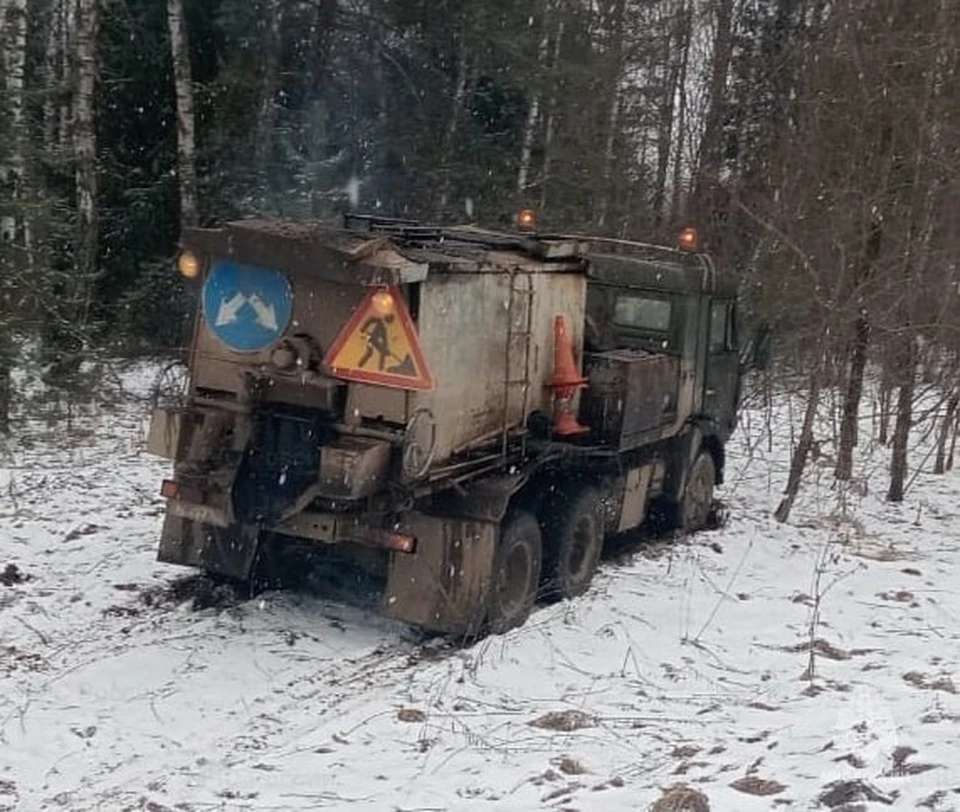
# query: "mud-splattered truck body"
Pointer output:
{"type": "Point", "coordinates": [463, 414]}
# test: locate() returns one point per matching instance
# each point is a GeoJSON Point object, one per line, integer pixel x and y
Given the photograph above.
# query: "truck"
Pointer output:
{"type": "Point", "coordinates": [462, 414]}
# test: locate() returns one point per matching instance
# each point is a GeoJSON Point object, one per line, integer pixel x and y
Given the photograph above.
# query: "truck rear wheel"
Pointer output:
{"type": "Point", "coordinates": [516, 572]}
{"type": "Point", "coordinates": [698, 494]}
{"type": "Point", "coordinates": [573, 525]}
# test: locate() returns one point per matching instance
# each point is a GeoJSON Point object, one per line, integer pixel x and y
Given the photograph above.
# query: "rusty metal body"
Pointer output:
{"type": "Point", "coordinates": [416, 475]}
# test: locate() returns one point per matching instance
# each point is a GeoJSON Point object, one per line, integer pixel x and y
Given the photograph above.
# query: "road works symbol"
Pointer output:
{"type": "Point", "coordinates": [379, 345]}
{"type": "Point", "coordinates": [246, 308]}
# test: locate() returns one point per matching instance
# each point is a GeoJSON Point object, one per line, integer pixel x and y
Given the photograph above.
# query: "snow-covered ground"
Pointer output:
{"type": "Point", "coordinates": [686, 664]}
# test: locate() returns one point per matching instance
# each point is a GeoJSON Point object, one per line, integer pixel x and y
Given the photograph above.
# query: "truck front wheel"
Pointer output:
{"type": "Point", "coordinates": [698, 494]}
{"type": "Point", "coordinates": [573, 524]}
{"type": "Point", "coordinates": [516, 572]}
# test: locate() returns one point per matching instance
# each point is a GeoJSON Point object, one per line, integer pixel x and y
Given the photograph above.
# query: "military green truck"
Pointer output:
{"type": "Point", "coordinates": [463, 414]}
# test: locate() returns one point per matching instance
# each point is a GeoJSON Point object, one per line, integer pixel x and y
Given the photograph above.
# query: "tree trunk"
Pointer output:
{"type": "Point", "coordinates": [533, 115]}
{"type": "Point", "coordinates": [804, 446]}
{"type": "Point", "coordinates": [453, 122]}
{"type": "Point", "coordinates": [13, 25]}
{"type": "Point", "coordinates": [711, 151]}
{"type": "Point", "coordinates": [613, 112]}
{"type": "Point", "coordinates": [85, 146]}
{"type": "Point", "coordinates": [674, 59]}
{"type": "Point", "coordinates": [551, 114]}
{"type": "Point", "coordinates": [886, 396]}
{"type": "Point", "coordinates": [949, 419]}
{"type": "Point", "coordinates": [851, 401]}
{"type": "Point", "coordinates": [681, 132]}
{"type": "Point", "coordinates": [186, 139]}
{"type": "Point", "coordinates": [901, 431]}
{"type": "Point", "coordinates": [6, 388]}
{"type": "Point", "coordinates": [56, 73]}
{"type": "Point", "coordinates": [955, 429]}
{"type": "Point", "coordinates": [67, 65]}
{"type": "Point", "coordinates": [266, 114]}
{"type": "Point", "coordinates": [929, 159]}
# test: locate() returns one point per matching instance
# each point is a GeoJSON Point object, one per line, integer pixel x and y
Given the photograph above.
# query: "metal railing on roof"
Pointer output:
{"type": "Point", "coordinates": [655, 253]}
{"type": "Point", "coordinates": [539, 246]}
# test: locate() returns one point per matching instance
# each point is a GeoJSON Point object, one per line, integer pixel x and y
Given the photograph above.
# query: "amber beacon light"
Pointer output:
{"type": "Point", "coordinates": [527, 220]}
{"type": "Point", "coordinates": [188, 265]}
{"type": "Point", "coordinates": [383, 304]}
{"type": "Point", "coordinates": [689, 239]}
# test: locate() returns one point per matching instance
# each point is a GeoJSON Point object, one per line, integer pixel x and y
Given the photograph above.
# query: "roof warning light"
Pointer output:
{"type": "Point", "coordinates": [689, 239]}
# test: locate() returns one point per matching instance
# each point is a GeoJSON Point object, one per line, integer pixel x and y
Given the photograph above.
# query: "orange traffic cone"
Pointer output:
{"type": "Point", "coordinates": [565, 382]}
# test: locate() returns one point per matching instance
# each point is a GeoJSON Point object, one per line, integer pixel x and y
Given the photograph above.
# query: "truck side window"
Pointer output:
{"type": "Point", "coordinates": [721, 327]}
{"type": "Point", "coordinates": [642, 313]}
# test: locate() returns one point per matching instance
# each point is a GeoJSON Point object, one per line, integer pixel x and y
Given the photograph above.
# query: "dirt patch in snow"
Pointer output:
{"type": "Point", "coordinates": [939, 799]}
{"type": "Point", "coordinates": [566, 721]}
{"type": "Point", "coordinates": [827, 650]}
{"type": "Point", "coordinates": [681, 798]}
{"type": "Point", "coordinates": [847, 793]}
{"type": "Point", "coordinates": [751, 785]}
{"type": "Point", "coordinates": [81, 531]}
{"type": "Point", "coordinates": [570, 766]}
{"type": "Point", "coordinates": [13, 659]}
{"type": "Point", "coordinates": [901, 766]}
{"type": "Point", "coordinates": [198, 591]}
{"type": "Point", "coordinates": [8, 796]}
{"type": "Point", "coordinates": [684, 751]}
{"type": "Point", "coordinates": [928, 683]}
{"type": "Point", "coordinates": [898, 596]}
{"type": "Point", "coordinates": [12, 576]}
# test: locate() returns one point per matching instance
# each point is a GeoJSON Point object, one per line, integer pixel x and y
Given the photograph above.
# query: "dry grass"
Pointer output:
{"type": "Point", "coordinates": [566, 721]}
{"type": "Point", "coordinates": [751, 785]}
{"type": "Point", "coordinates": [927, 683]}
{"type": "Point", "coordinates": [570, 766]}
{"type": "Point", "coordinates": [681, 798]}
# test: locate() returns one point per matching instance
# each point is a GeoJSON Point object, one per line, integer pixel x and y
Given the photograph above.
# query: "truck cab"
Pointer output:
{"type": "Point", "coordinates": [670, 302]}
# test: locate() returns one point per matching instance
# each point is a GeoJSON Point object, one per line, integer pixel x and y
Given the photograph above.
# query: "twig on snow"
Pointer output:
{"type": "Point", "coordinates": [43, 638]}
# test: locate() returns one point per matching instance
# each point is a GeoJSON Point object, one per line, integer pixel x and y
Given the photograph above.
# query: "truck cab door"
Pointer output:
{"type": "Point", "coordinates": [721, 393]}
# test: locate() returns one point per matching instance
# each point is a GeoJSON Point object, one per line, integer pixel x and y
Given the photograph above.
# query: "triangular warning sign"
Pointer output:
{"type": "Point", "coordinates": [379, 345]}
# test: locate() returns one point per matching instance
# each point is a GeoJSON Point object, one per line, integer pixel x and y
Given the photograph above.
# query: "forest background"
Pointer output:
{"type": "Point", "coordinates": [814, 143]}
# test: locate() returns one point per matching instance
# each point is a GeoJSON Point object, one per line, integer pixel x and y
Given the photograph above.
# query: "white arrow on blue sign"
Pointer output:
{"type": "Point", "coordinates": [247, 308]}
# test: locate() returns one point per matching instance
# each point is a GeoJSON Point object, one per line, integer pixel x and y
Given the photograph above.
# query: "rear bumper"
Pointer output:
{"type": "Point", "coordinates": [440, 583]}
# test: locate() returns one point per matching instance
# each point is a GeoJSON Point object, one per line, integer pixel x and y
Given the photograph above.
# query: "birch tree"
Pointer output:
{"type": "Point", "coordinates": [533, 113]}
{"type": "Point", "coordinates": [550, 114]}
{"type": "Point", "coordinates": [186, 138]}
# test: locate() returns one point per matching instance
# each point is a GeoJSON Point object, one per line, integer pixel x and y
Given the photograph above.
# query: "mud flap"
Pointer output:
{"type": "Point", "coordinates": [443, 586]}
{"type": "Point", "coordinates": [227, 551]}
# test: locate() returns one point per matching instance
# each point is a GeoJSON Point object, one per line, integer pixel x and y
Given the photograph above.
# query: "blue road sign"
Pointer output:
{"type": "Point", "coordinates": [245, 307]}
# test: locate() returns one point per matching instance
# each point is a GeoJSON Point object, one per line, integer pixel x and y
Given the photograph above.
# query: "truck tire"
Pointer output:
{"type": "Point", "coordinates": [698, 494]}
{"type": "Point", "coordinates": [573, 530]}
{"type": "Point", "coordinates": [516, 572]}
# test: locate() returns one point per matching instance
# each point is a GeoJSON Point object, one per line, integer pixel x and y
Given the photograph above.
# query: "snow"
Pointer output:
{"type": "Point", "coordinates": [684, 664]}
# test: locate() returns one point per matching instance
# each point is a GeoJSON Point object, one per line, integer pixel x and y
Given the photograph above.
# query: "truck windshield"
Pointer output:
{"type": "Point", "coordinates": [642, 313]}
